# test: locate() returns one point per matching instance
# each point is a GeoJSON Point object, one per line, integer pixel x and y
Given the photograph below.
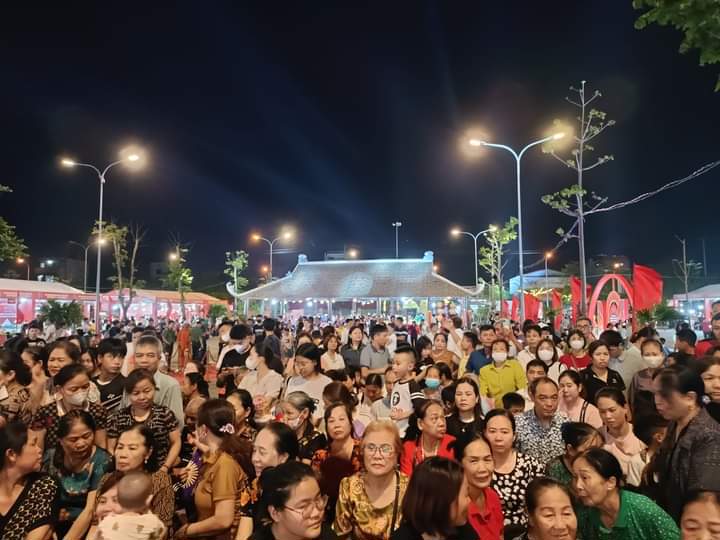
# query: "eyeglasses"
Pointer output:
{"type": "Point", "coordinates": [386, 450]}
{"type": "Point", "coordinates": [319, 503]}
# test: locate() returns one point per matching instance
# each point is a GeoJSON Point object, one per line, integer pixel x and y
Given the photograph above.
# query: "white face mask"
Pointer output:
{"type": "Point", "coordinates": [577, 344]}
{"type": "Point", "coordinates": [294, 423]}
{"type": "Point", "coordinates": [499, 357]}
{"type": "Point", "coordinates": [240, 348]}
{"type": "Point", "coordinates": [225, 337]}
{"type": "Point", "coordinates": [251, 363]}
{"type": "Point", "coordinates": [654, 360]}
{"type": "Point", "coordinates": [78, 398]}
{"type": "Point", "coordinates": [546, 355]}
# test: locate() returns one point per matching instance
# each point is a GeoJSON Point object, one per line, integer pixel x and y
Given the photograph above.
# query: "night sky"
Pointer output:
{"type": "Point", "coordinates": [339, 118]}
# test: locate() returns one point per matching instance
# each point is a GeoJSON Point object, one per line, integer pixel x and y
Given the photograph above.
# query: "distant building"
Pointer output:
{"type": "Point", "coordinates": [536, 280]}
{"type": "Point", "coordinates": [158, 271]}
{"type": "Point", "coordinates": [60, 269]}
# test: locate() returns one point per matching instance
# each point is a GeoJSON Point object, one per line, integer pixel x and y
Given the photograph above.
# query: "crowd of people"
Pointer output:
{"type": "Point", "coordinates": [366, 428]}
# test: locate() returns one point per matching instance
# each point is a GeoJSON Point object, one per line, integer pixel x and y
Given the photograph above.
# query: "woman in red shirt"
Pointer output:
{"type": "Point", "coordinates": [426, 437]}
{"type": "Point", "coordinates": [485, 513]}
{"type": "Point", "coordinates": [577, 358]}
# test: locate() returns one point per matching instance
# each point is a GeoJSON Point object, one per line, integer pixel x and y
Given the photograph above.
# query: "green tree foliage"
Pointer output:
{"type": "Point", "coordinates": [11, 245]}
{"type": "Point", "coordinates": [235, 263]}
{"type": "Point", "coordinates": [217, 311]}
{"type": "Point", "coordinates": [659, 313]}
{"type": "Point", "coordinates": [125, 243]}
{"type": "Point", "coordinates": [698, 20]}
{"type": "Point", "coordinates": [179, 276]}
{"type": "Point", "coordinates": [61, 314]}
{"type": "Point", "coordinates": [491, 255]}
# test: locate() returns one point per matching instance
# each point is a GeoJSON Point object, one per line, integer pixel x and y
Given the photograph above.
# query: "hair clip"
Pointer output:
{"type": "Point", "coordinates": [706, 400]}
{"type": "Point", "coordinates": [228, 428]}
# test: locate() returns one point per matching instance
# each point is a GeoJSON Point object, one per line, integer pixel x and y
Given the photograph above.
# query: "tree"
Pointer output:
{"type": "Point", "coordinates": [685, 271]}
{"type": "Point", "coordinates": [491, 256]}
{"type": "Point", "coordinates": [11, 245]}
{"type": "Point", "coordinates": [216, 311]}
{"type": "Point", "coordinates": [179, 276]}
{"type": "Point", "coordinates": [235, 263]}
{"type": "Point", "coordinates": [61, 314]}
{"type": "Point", "coordinates": [658, 313]}
{"type": "Point", "coordinates": [571, 200]}
{"type": "Point", "coordinates": [125, 242]}
{"type": "Point", "coordinates": [699, 21]}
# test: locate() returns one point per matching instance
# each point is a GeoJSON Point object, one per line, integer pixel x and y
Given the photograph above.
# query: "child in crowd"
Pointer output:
{"type": "Point", "coordinates": [514, 403]}
{"type": "Point", "coordinates": [135, 521]}
{"type": "Point", "coordinates": [406, 393]}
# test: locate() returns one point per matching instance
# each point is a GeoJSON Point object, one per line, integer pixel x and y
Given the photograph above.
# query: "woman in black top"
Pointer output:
{"type": "Point", "coordinates": [431, 512]}
{"type": "Point", "coordinates": [598, 375]}
{"type": "Point", "coordinates": [467, 416]}
{"type": "Point", "coordinates": [298, 409]}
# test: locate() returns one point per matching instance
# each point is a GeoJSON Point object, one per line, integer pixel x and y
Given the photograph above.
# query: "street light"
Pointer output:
{"type": "Point", "coordinates": [548, 255]}
{"type": "Point", "coordinates": [287, 235]}
{"type": "Point", "coordinates": [458, 232]}
{"type": "Point", "coordinates": [22, 260]}
{"type": "Point", "coordinates": [397, 225]}
{"type": "Point", "coordinates": [127, 158]}
{"type": "Point", "coordinates": [518, 156]}
{"type": "Point", "coordinates": [99, 243]}
{"type": "Point", "coordinates": [352, 253]}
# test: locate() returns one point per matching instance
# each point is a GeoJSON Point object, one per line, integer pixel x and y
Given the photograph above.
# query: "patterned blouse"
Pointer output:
{"type": "Point", "coordinates": [48, 416]}
{"type": "Point", "coordinates": [34, 508]}
{"type": "Point", "coordinates": [161, 422]}
{"type": "Point", "coordinates": [357, 516]}
{"type": "Point", "coordinates": [311, 441]}
{"type": "Point", "coordinates": [332, 469]}
{"type": "Point", "coordinates": [16, 404]}
{"type": "Point", "coordinates": [511, 488]}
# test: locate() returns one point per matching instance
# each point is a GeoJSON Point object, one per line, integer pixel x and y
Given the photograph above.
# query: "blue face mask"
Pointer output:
{"type": "Point", "coordinates": [432, 383]}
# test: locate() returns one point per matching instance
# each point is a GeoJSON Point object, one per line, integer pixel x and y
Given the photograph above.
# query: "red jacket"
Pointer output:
{"type": "Point", "coordinates": [412, 454]}
{"type": "Point", "coordinates": [703, 346]}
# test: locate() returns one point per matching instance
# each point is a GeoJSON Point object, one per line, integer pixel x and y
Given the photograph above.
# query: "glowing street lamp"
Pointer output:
{"type": "Point", "coordinates": [352, 253]}
{"type": "Point", "coordinates": [548, 256]}
{"type": "Point", "coordinates": [287, 235]}
{"type": "Point", "coordinates": [23, 260]}
{"type": "Point", "coordinates": [457, 232]}
{"type": "Point", "coordinates": [518, 156]}
{"type": "Point", "coordinates": [128, 157]}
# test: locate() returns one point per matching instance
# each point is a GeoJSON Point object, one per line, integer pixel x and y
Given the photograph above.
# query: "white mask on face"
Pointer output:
{"type": "Point", "coordinates": [294, 423]}
{"type": "Point", "coordinates": [653, 361]}
{"type": "Point", "coordinates": [577, 344]}
{"type": "Point", "coordinates": [225, 337]}
{"type": "Point", "coordinates": [240, 348]}
{"type": "Point", "coordinates": [78, 398]}
{"type": "Point", "coordinates": [546, 355]}
{"type": "Point", "coordinates": [499, 357]}
{"type": "Point", "coordinates": [251, 363]}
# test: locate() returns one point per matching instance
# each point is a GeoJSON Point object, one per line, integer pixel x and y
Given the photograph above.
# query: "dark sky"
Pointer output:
{"type": "Point", "coordinates": [339, 118]}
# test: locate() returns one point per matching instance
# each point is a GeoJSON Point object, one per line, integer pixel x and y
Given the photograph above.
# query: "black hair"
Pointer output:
{"type": "Point", "coordinates": [269, 325]}
{"type": "Point", "coordinates": [532, 328]}
{"type": "Point", "coordinates": [595, 345]}
{"type": "Point", "coordinates": [476, 390]}
{"type": "Point", "coordinates": [459, 445]}
{"type": "Point", "coordinates": [500, 412]}
{"type": "Point", "coordinates": [196, 379]}
{"type": "Point", "coordinates": [377, 329]}
{"type": "Point", "coordinates": [646, 427]}
{"type": "Point", "coordinates": [443, 369]}
{"type": "Point", "coordinates": [70, 349]}
{"type": "Point", "coordinates": [542, 380]}
{"type": "Point", "coordinates": [316, 334]}
{"type": "Point", "coordinates": [577, 333]}
{"type": "Point", "coordinates": [646, 332]}
{"type": "Point", "coordinates": [311, 352]}
{"type": "Point", "coordinates": [503, 341]}
{"type": "Point", "coordinates": [604, 463]}
{"type": "Point", "coordinates": [406, 348]}
{"type": "Point", "coordinates": [13, 436]}
{"type": "Point", "coordinates": [68, 373]}
{"type": "Point", "coordinates": [286, 441]}
{"type": "Point", "coordinates": [683, 380]}
{"type": "Point", "coordinates": [64, 426]}
{"type": "Point", "coordinates": [485, 328]}
{"type": "Point", "coordinates": [338, 375]}
{"type": "Point", "coordinates": [374, 379]}
{"type": "Point", "coordinates": [276, 485]}
{"type": "Point", "coordinates": [575, 434]}
{"type": "Point", "coordinates": [348, 412]}
{"type": "Point", "coordinates": [151, 464]}
{"type": "Point", "coordinates": [612, 338]}
{"type": "Point", "coordinates": [11, 361]}
{"type": "Point", "coordinates": [336, 391]}
{"type": "Point", "coordinates": [687, 336]}
{"type": "Point", "coordinates": [536, 363]}
{"type": "Point", "coordinates": [652, 341]}
{"type": "Point", "coordinates": [472, 337]}
{"type": "Point", "coordinates": [135, 377]}
{"type": "Point", "coordinates": [422, 343]}
{"type": "Point", "coordinates": [413, 431]}
{"type": "Point", "coordinates": [613, 393]}
{"type": "Point", "coordinates": [512, 399]}
{"type": "Point", "coordinates": [349, 336]}
{"type": "Point", "coordinates": [246, 400]}
{"type": "Point", "coordinates": [537, 487]}
{"type": "Point", "coordinates": [218, 416]}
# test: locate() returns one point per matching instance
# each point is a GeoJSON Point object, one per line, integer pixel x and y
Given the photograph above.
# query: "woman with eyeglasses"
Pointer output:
{"type": "Point", "coordinates": [369, 502]}
{"type": "Point", "coordinates": [291, 505]}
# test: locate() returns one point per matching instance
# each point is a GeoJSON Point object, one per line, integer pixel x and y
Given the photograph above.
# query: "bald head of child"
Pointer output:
{"type": "Point", "coordinates": [135, 492]}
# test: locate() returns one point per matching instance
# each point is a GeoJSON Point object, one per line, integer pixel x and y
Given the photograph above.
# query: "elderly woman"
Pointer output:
{"type": "Point", "coordinates": [298, 409]}
{"type": "Point", "coordinates": [14, 397]}
{"type": "Point", "coordinates": [369, 502]}
{"type": "Point", "coordinates": [27, 497]}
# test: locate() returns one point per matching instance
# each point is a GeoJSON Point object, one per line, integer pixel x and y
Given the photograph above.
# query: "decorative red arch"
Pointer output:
{"type": "Point", "coordinates": [622, 280]}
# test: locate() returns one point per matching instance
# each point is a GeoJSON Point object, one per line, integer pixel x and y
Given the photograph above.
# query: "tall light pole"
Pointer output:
{"type": "Point", "coordinates": [397, 225]}
{"type": "Point", "coordinates": [99, 242]}
{"type": "Point", "coordinates": [130, 158]}
{"type": "Point", "coordinates": [548, 255]}
{"type": "Point", "coordinates": [685, 267]}
{"type": "Point", "coordinates": [23, 260]}
{"type": "Point", "coordinates": [458, 232]}
{"type": "Point", "coordinates": [271, 243]}
{"type": "Point", "coordinates": [518, 156]}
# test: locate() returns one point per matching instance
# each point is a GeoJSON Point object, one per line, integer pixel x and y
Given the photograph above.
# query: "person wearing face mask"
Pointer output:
{"type": "Point", "coordinates": [237, 350]}
{"type": "Point", "coordinates": [297, 413]}
{"type": "Point", "coordinates": [640, 393]}
{"type": "Point", "coordinates": [548, 353]}
{"type": "Point", "coordinates": [73, 384]}
{"type": "Point", "coordinates": [504, 375]}
{"type": "Point", "coordinates": [577, 358]}
{"type": "Point", "coordinates": [263, 383]}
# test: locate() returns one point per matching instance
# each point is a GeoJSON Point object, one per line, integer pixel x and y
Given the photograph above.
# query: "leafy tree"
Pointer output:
{"type": "Point", "coordinates": [125, 242]}
{"type": "Point", "coordinates": [661, 313]}
{"type": "Point", "coordinates": [491, 256]}
{"type": "Point", "coordinates": [571, 200]}
{"type": "Point", "coordinates": [235, 263]}
{"type": "Point", "coordinates": [216, 311]}
{"type": "Point", "coordinates": [699, 20]}
{"type": "Point", "coordinates": [61, 314]}
{"type": "Point", "coordinates": [11, 245]}
{"type": "Point", "coordinates": [179, 276]}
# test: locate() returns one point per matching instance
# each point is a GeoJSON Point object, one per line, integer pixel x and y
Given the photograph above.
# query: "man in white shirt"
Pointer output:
{"type": "Point", "coordinates": [455, 331]}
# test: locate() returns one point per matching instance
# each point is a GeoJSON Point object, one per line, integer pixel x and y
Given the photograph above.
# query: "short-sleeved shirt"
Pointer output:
{"type": "Point", "coordinates": [131, 527]}
{"type": "Point", "coordinates": [47, 418]}
{"type": "Point", "coordinates": [373, 358]}
{"type": "Point", "coordinates": [269, 386]}
{"type": "Point", "coordinates": [161, 422]}
{"type": "Point", "coordinates": [35, 507]}
{"type": "Point", "coordinates": [406, 396]}
{"type": "Point", "coordinates": [571, 361]}
{"type": "Point", "coordinates": [111, 392]}
{"type": "Point", "coordinates": [496, 381]}
{"type": "Point", "coordinates": [222, 479]}
{"type": "Point", "coordinates": [488, 522]}
{"type": "Point", "coordinates": [358, 517]}
{"type": "Point", "coordinates": [312, 387]}
{"type": "Point", "coordinates": [639, 518]}
{"type": "Point", "coordinates": [511, 488]}
{"type": "Point", "coordinates": [540, 442]}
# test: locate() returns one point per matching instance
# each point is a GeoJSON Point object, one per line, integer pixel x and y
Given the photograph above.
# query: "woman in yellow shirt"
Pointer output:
{"type": "Point", "coordinates": [503, 375]}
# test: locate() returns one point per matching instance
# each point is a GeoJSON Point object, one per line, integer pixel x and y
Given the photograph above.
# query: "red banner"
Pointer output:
{"type": "Point", "coordinates": [532, 307]}
{"type": "Point", "coordinates": [515, 308]}
{"type": "Point", "coordinates": [648, 287]}
{"type": "Point", "coordinates": [557, 306]}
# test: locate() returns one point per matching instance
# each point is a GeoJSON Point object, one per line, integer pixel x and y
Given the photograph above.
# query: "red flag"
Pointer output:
{"type": "Point", "coordinates": [514, 309]}
{"type": "Point", "coordinates": [557, 306]}
{"type": "Point", "coordinates": [532, 307]}
{"type": "Point", "coordinates": [648, 287]}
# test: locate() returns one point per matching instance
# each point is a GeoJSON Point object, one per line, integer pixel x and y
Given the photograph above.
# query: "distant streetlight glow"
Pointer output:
{"type": "Point", "coordinates": [67, 162]}
{"type": "Point", "coordinates": [558, 136]}
{"type": "Point", "coordinates": [133, 157]}
{"type": "Point", "coordinates": [22, 260]}
{"type": "Point", "coordinates": [476, 142]}
{"type": "Point", "coordinates": [435, 267]}
{"type": "Point", "coordinates": [548, 255]}
{"type": "Point", "coordinates": [287, 235]}
{"type": "Point", "coordinates": [173, 256]}
{"type": "Point", "coordinates": [457, 232]}
{"type": "Point", "coordinates": [352, 253]}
